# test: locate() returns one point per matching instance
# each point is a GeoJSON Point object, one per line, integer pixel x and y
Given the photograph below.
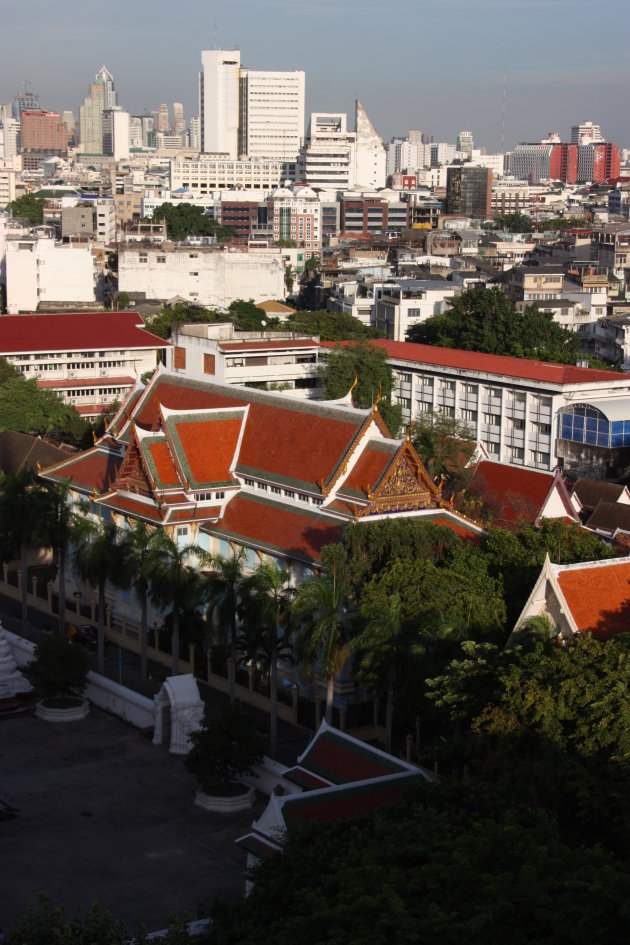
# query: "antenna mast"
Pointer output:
{"type": "Point", "coordinates": [503, 111]}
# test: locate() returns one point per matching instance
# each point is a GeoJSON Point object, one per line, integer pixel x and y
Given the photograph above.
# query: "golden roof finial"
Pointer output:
{"type": "Point", "coordinates": [39, 466]}
{"type": "Point", "coordinates": [409, 432]}
{"type": "Point", "coordinates": [106, 424]}
{"type": "Point", "coordinates": [354, 383]}
{"type": "Point", "coordinates": [94, 437]}
{"type": "Point", "coordinates": [378, 397]}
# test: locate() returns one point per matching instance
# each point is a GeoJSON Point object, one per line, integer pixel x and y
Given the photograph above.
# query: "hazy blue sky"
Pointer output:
{"type": "Point", "coordinates": [435, 65]}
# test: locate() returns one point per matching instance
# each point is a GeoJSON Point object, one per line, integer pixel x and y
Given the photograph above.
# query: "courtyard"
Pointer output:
{"type": "Point", "coordinates": [107, 817]}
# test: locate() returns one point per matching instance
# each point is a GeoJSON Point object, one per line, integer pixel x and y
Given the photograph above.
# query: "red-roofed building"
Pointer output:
{"type": "Point", "coordinates": [589, 597]}
{"type": "Point", "coordinates": [337, 778]}
{"type": "Point", "coordinates": [526, 413]}
{"type": "Point", "coordinates": [512, 494]}
{"type": "Point", "coordinates": [91, 360]}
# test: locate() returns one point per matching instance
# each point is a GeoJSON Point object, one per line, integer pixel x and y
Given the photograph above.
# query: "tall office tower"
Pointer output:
{"type": "Point", "coordinates": [327, 160]}
{"type": "Point", "coordinates": [148, 131]}
{"type": "Point", "coordinates": [586, 133]}
{"type": "Point", "coordinates": [42, 135]}
{"type": "Point", "coordinates": [179, 122]}
{"type": "Point", "coordinates": [135, 131]}
{"type": "Point", "coordinates": [469, 191]}
{"type": "Point", "coordinates": [116, 133]}
{"type": "Point", "coordinates": [271, 114]}
{"type": "Point", "coordinates": [101, 96]}
{"type": "Point", "coordinates": [219, 101]}
{"type": "Point", "coordinates": [465, 142]}
{"type": "Point", "coordinates": [195, 132]}
{"type": "Point", "coordinates": [69, 121]}
{"type": "Point", "coordinates": [25, 101]}
{"type": "Point", "coordinates": [9, 139]}
{"type": "Point", "coordinates": [163, 123]}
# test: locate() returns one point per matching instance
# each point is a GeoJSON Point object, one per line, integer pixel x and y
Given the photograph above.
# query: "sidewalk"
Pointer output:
{"type": "Point", "coordinates": [123, 666]}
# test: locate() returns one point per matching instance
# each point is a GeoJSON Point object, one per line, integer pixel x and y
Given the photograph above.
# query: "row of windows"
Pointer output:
{"type": "Point", "coordinates": [287, 493]}
{"type": "Point", "coordinates": [582, 424]}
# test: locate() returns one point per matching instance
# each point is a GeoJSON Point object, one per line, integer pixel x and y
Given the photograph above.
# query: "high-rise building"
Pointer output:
{"type": "Point", "coordinates": [195, 133]}
{"type": "Point", "coordinates": [271, 114]}
{"type": "Point", "coordinates": [135, 131]}
{"type": "Point", "coordinates": [116, 133]}
{"type": "Point", "coordinates": [42, 135]}
{"type": "Point", "coordinates": [163, 122]}
{"type": "Point", "coordinates": [219, 101]}
{"type": "Point", "coordinates": [371, 156]}
{"type": "Point", "coordinates": [179, 122]}
{"type": "Point", "coordinates": [9, 139]}
{"type": "Point", "coordinates": [598, 162]}
{"type": "Point", "coordinates": [469, 191]}
{"type": "Point", "coordinates": [465, 143]}
{"type": "Point", "coordinates": [586, 133]}
{"type": "Point", "coordinates": [102, 95]}
{"type": "Point", "coordinates": [25, 101]}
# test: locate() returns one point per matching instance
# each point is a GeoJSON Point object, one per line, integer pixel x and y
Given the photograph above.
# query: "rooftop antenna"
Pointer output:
{"type": "Point", "coordinates": [214, 36]}
{"type": "Point", "coordinates": [503, 110]}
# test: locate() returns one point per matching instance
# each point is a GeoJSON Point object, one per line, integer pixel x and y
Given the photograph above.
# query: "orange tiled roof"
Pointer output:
{"type": "Point", "coordinates": [278, 527]}
{"type": "Point", "coordinates": [599, 597]}
{"type": "Point", "coordinates": [163, 462]}
{"type": "Point", "coordinates": [208, 445]}
{"type": "Point", "coordinates": [91, 470]}
{"type": "Point", "coordinates": [512, 493]}
{"type": "Point", "coordinates": [370, 467]}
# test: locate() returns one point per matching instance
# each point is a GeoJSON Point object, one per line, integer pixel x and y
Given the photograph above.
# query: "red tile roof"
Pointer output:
{"type": "Point", "coordinates": [521, 368]}
{"type": "Point", "coordinates": [369, 468]}
{"type": "Point", "coordinates": [75, 332]}
{"type": "Point", "coordinates": [599, 597]}
{"type": "Point", "coordinates": [267, 345]}
{"type": "Point", "coordinates": [131, 506]}
{"type": "Point", "coordinates": [208, 446]}
{"type": "Point", "coordinates": [511, 493]}
{"type": "Point", "coordinates": [164, 466]}
{"type": "Point", "coordinates": [278, 527]}
{"type": "Point", "coordinates": [341, 760]}
{"type": "Point", "coordinates": [87, 382]}
{"type": "Point", "coordinates": [334, 805]}
{"type": "Point", "coordinates": [91, 470]}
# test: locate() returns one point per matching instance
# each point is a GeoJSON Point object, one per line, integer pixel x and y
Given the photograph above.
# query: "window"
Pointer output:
{"type": "Point", "coordinates": [208, 364]}
{"type": "Point", "coordinates": [179, 359]}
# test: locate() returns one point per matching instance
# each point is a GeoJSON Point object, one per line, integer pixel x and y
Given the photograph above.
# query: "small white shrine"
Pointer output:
{"type": "Point", "coordinates": [179, 711]}
{"type": "Point", "coordinates": [12, 682]}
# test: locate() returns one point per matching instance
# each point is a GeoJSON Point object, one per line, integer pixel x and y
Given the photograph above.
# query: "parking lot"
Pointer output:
{"type": "Point", "coordinates": [105, 816]}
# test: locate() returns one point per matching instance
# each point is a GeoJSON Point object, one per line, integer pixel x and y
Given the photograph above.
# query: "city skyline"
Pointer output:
{"type": "Point", "coordinates": [438, 67]}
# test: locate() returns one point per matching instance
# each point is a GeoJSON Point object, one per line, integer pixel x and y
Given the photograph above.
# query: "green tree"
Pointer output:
{"type": "Point", "coordinates": [269, 594]}
{"type": "Point", "coordinates": [486, 320]}
{"type": "Point", "coordinates": [59, 669]}
{"type": "Point", "coordinates": [22, 508]}
{"type": "Point", "coordinates": [58, 526]}
{"type": "Point", "coordinates": [368, 365]}
{"type": "Point", "coordinates": [512, 223]}
{"type": "Point", "coordinates": [186, 219]}
{"type": "Point", "coordinates": [30, 409]}
{"type": "Point", "coordinates": [140, 550]}
{"type": "Point", "coordinates": [324, 619]}
{"type": "Point", "coordinates": [98, 559]}
{"type": "Point", "coordinates": [329, 326]}
{"type": "Point", "coordinates": [223, 749]}
{"type": "Point", "coordinates": [175, 584]}
{"type": "Point", "coordinates": [226, 586]}
{"type": "Point", "coordinates": [444, 443]}
{"type": "Point", "coordinates": [28, 208]}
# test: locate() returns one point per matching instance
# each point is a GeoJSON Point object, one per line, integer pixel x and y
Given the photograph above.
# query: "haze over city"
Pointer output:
{"type": "Point", "coordinates": [414, 64]}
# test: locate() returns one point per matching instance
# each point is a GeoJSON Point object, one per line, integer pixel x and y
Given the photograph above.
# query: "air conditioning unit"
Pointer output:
{"type": "Point", "coordinates": [72, 373]}
{"type": "Point", "coordinates": [103, 373]}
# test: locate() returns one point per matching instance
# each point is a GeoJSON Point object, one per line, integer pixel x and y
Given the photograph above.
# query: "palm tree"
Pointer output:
{"type": "Point", "coordinates": [141, 556]}
{"type": "Point", "coordinates": [225, 588]}
{"type": "Point", "coordinates": [98, 559]}
{"type": "Point", "coordinates": [22, 509]}
{"type": "Point", "coordinates": [320, 608]}
{"type": "Point", "coordinates": [59, 526]}
{"type": "Point", "coordinates": [268, 591]}
{"type": "Point", "coordinates": [382, 643]}
{"type": "Point", "coordinates": [175, 583]}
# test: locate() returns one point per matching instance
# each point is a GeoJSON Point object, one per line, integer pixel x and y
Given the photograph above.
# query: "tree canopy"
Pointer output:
{"type": "Point", "coordinates": [186, 219]}
{"type": "Point", "coordinates": [27, 408]}
{"type": "Point", "coordinates": [368, 365]}
{"type": "Point", "coordinates": [486, 320]}
{"type": "Point", "coordinates": [28, 208]}
{"type": "Point", "coordinates": [330, 326]}
{"type": "Point", "coordinates": [444, 443]}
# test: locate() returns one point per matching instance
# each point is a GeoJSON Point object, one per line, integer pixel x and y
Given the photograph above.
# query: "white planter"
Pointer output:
{"type": "Point", "coordinates": [225, 805]}
{"type": "Point", "coordinates": [72, 714]}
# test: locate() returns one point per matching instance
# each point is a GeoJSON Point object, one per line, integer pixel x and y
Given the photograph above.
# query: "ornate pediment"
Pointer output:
{"type": "Point", "coordinates": [132, 476]}
{"type": "Point", "coordinates": [406, 486]}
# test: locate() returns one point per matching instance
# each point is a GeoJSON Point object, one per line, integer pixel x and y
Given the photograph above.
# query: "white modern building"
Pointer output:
{"type": "Point", "coordinates": [207, 173]}
{"type": "Point", "coordinates": [206, 275]}
{"type": "Point", "coordinates": [116, 133]}
{"type": "Point", "coordinates": [41, 272]}
{"type": "Point", "coordinates": [91, 360]}
{"type": "Point", "coordinates": [528, 413]}
{"type": "Point", "coordinates": [271, 124]}
{"type": "Point", "coordinates": [334, 158]}
{"type": "Point", "coordinates": [402, 303]}
{"type": "Point", "coordinates": [274, 360]}
{"type": "Point", "coordinates": [219, 101]}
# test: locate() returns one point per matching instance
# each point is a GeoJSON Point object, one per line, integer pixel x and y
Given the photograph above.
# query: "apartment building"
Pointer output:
{"type": "Point", "coordinates": [208, 275]}
{"type": "Point", "coordinates": [529, 413]}
{"type": "Point", "coordinates": [401, 303]}
{"type": "Point", "coordinates": [91, 360]}
{"type": "Point", "coordinates": [271, 119]}
{"type": "Point", "coordinates": [40, 272]}
{"type": "Point", "coordinates": [206, 174]}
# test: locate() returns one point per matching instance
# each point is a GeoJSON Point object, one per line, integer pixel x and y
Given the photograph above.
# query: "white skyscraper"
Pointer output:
{"type": "Point", "coordinates": [116, 133]}
{"type": "Point", "coordinates": [219, 101]}
{"type": "Point", "coordinates": [271, 114]}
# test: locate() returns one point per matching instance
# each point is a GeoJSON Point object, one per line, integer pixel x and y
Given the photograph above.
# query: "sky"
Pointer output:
{"type": "Point", "coordinates": [439, 66]}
